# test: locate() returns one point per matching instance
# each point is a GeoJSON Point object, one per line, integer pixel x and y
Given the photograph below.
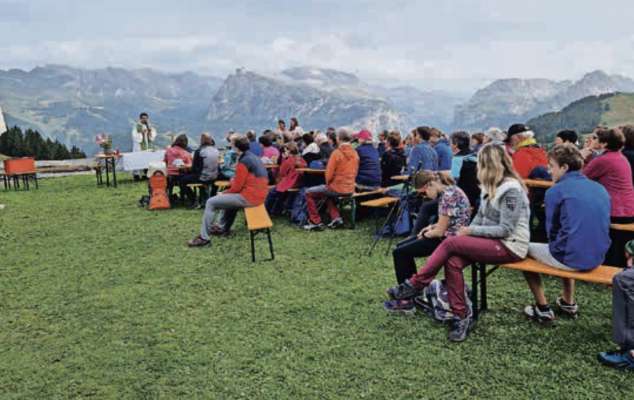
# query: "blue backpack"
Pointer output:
{"type": "Point", "coordinates": [401, 225]}
{"type": "Point", "coordinates": [299, 210]}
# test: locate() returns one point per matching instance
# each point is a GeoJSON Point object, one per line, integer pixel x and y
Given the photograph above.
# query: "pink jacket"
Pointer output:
{"type": "Point", "coordinates": [613, 171]}
{"type": "Point", "coordinates": [175, 153]}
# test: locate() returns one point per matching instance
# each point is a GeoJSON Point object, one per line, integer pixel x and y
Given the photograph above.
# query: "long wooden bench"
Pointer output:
{"type": "Point", "coordinates": [258, 220]}
{"type": "Point", "coordinates": [601, 275]}
{"type": "Point", "coordinates": [354, 197]}
{"type": "Point", "coordinates": [381, 202]}
{"type": "Point", "coordinates": [222, 185]}
{"type": "Point", "coordinates": [623, 227]}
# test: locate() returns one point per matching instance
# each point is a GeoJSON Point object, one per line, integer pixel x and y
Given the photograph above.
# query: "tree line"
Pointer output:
{"type": "Point", "coordinates": [15, 143]}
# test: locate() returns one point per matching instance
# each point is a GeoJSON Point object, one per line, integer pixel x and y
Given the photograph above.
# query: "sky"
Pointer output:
{"type": "Point", "coordinates": [453, 45]}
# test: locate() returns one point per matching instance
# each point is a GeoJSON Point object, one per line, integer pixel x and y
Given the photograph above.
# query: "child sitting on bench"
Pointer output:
{"type": "Point", "coordinates": [578, 228]}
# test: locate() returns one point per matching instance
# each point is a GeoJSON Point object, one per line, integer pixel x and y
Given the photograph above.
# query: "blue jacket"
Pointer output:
{"type": "Point", "coordinates": [369, 166]}
{"type": "Point", "coordinates": [255, 148]}
{"type": "Point", "coordinates": [578, 221]}
{"type": "Point", "coordinates": [443, 150]}
{"type": "Point", "coordinates": [422, 157]}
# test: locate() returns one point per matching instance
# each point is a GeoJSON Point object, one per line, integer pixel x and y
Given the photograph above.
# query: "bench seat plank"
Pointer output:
{"type": "Point", "coordinates": [257, 218]}
{"type": "Point", "coordinates": [380, 202]}
{"type": "Point", "coordinates": [622, 227]}
{"type": "Point", "coordinates": [602, 274]}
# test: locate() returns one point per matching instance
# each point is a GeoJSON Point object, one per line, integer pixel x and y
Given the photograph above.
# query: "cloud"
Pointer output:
{"type": "Point", "coordinates": [457, 44]}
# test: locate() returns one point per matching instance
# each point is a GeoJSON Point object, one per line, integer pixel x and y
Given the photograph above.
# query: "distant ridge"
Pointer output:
{"type": "Point", "coordinates": [613, 109]}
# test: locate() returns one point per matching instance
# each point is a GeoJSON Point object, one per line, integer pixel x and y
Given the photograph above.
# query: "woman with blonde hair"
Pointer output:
{"type": "Point", "coordinates": [498, 234]}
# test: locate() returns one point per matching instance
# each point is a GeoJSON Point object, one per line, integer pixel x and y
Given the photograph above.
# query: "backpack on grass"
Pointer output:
{"type": "Point", "coordinates": [434, 301]}
{"type": "Point", "coordinates": [158, 192]}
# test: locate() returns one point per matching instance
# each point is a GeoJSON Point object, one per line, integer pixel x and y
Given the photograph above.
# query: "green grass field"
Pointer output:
{"type": "Point", "coordinates": [102, 299]}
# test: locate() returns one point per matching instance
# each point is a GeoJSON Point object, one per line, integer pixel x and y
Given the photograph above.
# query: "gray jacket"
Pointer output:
{"type": "Point", "coordinates": [209, 156]}
{"type": "Point", "coordinates": [505, 217]}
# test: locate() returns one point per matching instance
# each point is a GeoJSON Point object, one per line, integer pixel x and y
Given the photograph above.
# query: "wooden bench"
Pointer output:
{"type": "Point", "coordinates": [258, 220]}
{"type": "Point", "coordinates": [601, 275]}
{"type": "Point", "coordinates": [222, 185]}
{"type": "Point", "coordinates": [381, 202]}
{"type": "Point", "coordinates": [623, 227]}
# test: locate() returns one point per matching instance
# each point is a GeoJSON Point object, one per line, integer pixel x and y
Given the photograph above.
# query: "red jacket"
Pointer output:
{"type": "Point", "coordinates": [526, 158]}
{"type": "Point", "coordinates": [288, 175]}
{"type": "Point", "coordinates": [251, 179]}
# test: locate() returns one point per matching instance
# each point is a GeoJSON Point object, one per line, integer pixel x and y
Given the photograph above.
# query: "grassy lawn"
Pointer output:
{"type": "Point", "coordinates": [102, 299]}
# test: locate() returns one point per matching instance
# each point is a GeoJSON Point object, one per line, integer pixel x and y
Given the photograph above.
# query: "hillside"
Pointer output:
{"type": "Point", "coordinates": [612, 109]}
{"type": "Point", "coordinates": [73, 105]}
{"type": "Point", "coordinates": [511, 100]}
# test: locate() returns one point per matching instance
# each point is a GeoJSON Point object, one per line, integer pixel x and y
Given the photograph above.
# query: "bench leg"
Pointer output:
{"type": "Point", "coordinates": [252, 236]}
{"type": "Point", "coordinates": [353, 217]}
{"type": "Point", "coordinates": [268, 234]}
{"type": "Point", "coordinates": [37, 186]}
{"type": "Point", "coordinates": [474, 291]}
{"type": "Point", "coordinates": [483, 287]}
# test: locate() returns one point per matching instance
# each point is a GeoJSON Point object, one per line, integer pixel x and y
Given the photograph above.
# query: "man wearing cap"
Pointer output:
{"type": "Point", "coordinates": [369, 175]}
{"type": "Point", "coordinates": [529, 160]}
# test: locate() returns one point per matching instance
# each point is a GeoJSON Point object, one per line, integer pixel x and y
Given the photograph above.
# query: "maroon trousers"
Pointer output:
{"type": "Point", "coordinates": [455, 253]}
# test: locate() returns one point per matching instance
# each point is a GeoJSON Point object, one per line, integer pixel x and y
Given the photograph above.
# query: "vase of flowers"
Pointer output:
{"type": "Point", "coordinates": [105, 142]}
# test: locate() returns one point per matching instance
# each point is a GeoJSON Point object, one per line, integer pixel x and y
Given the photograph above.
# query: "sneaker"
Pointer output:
{"type": "Point", "coordinates": [406, 307]}
{"type": "Point", "coordinates": [314, 227]}
{"type": "Point", "coordinates": [617, 359]}
{"type": "Point", "coordinates": [404, 291]}
{"type": "Point", "coordinates": [335, 223]}
{"type": "Point", "coordinates": [216, 230]}
{"type": "Point", "coordinates": [569, 310]}
{"type": "Point", "coordinates": [198, 242]}
{"type": "Point", "coordinates": [543, 317]}
{"type": "Point", "coordinates": [460, 328]}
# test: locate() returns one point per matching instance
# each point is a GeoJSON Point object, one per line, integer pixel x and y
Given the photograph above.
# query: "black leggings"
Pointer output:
{"type": "Point", "coordinates": [427, 215]}
{"type": "Point", "coordinates": [616, 254]}
{"type": "Point", "coordinates": [405, 253]}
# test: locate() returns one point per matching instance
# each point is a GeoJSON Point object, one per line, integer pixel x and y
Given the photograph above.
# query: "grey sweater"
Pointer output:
{"type": "Point", "coordinates": [505, 217]}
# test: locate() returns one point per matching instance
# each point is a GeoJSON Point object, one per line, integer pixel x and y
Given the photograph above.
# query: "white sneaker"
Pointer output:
{"type": "Point", "coordinates": [570, 310]}
{"type": "Point", "coordinates": [335, 223]}
{"type": "Point", "coordinates": [543, 317]}
{"type": "Point", "coordinates": [314, 227]}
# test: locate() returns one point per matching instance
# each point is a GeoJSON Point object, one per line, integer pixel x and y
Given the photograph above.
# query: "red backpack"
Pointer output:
{"type": "Point", "coordinates": [158, 192]}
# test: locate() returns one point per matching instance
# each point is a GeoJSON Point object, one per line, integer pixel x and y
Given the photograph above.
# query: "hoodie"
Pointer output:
{"type": "Point", "coordinates": [342, 169]}
{"type": "Point", "coordinates": [526, 158]}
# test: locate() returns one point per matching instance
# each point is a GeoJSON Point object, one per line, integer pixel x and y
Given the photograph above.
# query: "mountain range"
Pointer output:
{"type": "Point", "coordinates": [508, 101]}
{"type": "Point", "coordinates": [73, 104]}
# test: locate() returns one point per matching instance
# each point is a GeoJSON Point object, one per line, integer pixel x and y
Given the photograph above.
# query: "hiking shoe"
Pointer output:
{"type": "Point", "coordinates": [569, 310]}
{"type": "Point", "coordinates": [216, 230]}
{"type": "Point", "coordinates": [406, 307]}
{"type": "Point", "coordinates": [198, 242]}
{"type": "Point", "coordinates": [617, 359]}
{"type": "Point", "coordinates": [543, 317]}
{"type": "Point", "coordinates": [335, 223]}
{"type": "Point", "coordinates": [314, 227]}
{"type": "Point", "coordinates": [404, 291]}
{"type": "Point", "coordinates": [460, 328]}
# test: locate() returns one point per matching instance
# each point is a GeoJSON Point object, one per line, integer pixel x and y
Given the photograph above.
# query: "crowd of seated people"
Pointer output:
{"type": "Point", "coordinates": [476, 206]}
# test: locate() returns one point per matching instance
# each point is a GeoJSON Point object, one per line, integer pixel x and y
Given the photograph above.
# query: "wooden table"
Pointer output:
{"type": "Point", "coordinates": [271, 166]}
{"type": "Point", "coordinates": [109, 161]}
{"type": "Point", "coordinates": [312, 171]}
{"type": "Point", "coordinates": [402, 178]}
{"type": "Point", "coordinates": [538, 183]}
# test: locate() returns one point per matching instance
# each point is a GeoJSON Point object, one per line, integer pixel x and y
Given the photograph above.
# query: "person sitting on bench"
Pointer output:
{"type": "Point", "coordinates": [341, 172]}
{"type": "Point", "coordinates": [498, 234]}
{"type": "Point", "coordinates": [249, 188]}
{"type": "Point", "coordinates": [622, 326]}
{"type": "Point", "coordinates": [578, 228]}
{"type": "Point", "coordinates": [454, 212]}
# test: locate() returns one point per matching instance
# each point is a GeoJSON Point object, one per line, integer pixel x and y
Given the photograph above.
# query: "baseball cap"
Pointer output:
{"type": "Point", "coordinates": [515, 129]}
{"type": "Point", "coordinates": [364, 135]}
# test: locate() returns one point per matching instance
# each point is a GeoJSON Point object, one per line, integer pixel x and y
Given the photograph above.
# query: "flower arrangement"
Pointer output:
{"type": "Point", "coordinates": [105, 142]}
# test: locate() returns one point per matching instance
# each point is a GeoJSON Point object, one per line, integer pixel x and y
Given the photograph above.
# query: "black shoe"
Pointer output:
{"type": "Point", "coordinates": [403, 291]}
{"type": "Point", "coordinates": [460, 328]}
